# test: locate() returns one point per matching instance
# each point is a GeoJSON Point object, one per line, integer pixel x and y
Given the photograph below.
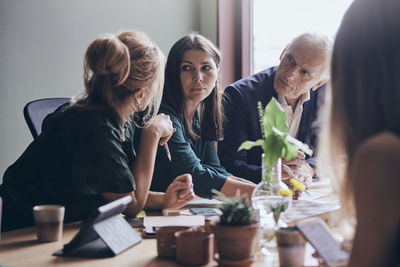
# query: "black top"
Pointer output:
{"type": "Point", "coordinates": [198, 158]}
{"type": "Point", "coordinates": [79, 155]}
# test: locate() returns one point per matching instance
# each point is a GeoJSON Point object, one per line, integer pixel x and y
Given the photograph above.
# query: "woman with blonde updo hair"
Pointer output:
{"type": "Point", "coordinates": [86, 155]}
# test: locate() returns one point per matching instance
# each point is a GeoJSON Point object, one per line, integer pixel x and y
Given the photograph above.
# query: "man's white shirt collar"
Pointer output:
{"type": "Point", "coordinates": [294, 118]}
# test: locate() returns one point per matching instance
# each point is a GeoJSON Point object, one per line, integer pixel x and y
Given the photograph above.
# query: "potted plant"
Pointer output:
{"type": "Point", "coordinates": [236, 229]}
{"type": "Point", "coordinates": [276, 144]}
{"type": "Point", "coordinates": [271, 196]}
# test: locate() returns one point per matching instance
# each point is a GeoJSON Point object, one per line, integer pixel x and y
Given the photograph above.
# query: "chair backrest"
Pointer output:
{"type": "Point", "coordinates": [35, 112]}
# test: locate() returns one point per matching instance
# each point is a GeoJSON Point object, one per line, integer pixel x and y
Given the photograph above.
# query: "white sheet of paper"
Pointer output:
{"type": "Point", "coordinates": [312, 196]}
{"type": "Point", "coordinates": [155, 221]}
{"type": "Point", "coordinates": [322, 182]}
{"type": "Point", "coordinates": [204, 202]}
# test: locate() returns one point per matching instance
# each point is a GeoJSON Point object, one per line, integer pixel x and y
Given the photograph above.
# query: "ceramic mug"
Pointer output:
{"type": "Point", "coordinates": [291, 246]}
{"type": "Point", "coordinates": [49, 222]}
{"type": "Point", "coordinates": [194, 247]}
{"type": "Point", "coordinates": [166, 243]}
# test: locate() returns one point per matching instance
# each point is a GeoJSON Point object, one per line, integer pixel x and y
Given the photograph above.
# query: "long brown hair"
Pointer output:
{"type": "Point", "coordinates": [210, 108]}
{"type": "Point", "coordinates": [365, 84]}
{"type": "Point", "coordinates": [115, 65]}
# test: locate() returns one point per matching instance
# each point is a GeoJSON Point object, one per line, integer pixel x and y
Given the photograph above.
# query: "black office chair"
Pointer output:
{"type": "Point", "coordinates": [35, 112]}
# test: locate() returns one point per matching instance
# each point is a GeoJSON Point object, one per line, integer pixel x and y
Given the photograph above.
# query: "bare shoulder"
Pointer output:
{"type": "Point", "coordinates": [374, 173]}
{"type": "Point", "coordinates": [384, 144]}
{"type": "Point", "coordinates": [377, 160]}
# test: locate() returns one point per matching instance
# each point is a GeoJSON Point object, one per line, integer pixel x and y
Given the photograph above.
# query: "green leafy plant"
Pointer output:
{"type": "Point", "coordinates": [278, 208]}
{"type": "Point", "coordinates": [276, 142]}
{"type": "Point", "coordinates": [235, 211]}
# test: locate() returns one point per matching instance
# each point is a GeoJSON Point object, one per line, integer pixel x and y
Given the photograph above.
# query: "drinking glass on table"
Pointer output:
{"type": "Point", "coordinates": [271, 208]}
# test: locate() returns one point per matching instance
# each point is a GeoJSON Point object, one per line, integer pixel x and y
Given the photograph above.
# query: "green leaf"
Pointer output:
{"type": "Point", "coordinates": [250, 144]}
{"type": "Point", "coordinates": [293, 141]}
{"type": "Point", "coordinates": [273, 146]}
{"type": "Point", "coordinates": [289, 151]}
{"type": "Point", "coordinates": [261, 117]}
{"type": "Point", "coordinates": [274, 116]}
{"type": "Point", "coordinates": [277, 142]}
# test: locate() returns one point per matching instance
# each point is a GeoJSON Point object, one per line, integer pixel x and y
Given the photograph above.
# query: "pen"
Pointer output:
{"type": "Point", "coordinates": [167, 150]}
{"type": "Point", "coordinates": [290, 172]}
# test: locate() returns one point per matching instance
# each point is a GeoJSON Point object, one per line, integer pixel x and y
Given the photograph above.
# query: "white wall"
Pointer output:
{"type": "Point", "coordinates": [42, 43]}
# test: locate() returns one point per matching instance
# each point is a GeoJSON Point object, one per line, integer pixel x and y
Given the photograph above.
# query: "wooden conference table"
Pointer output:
{"type": "Point", "coordinates": [21, 248]}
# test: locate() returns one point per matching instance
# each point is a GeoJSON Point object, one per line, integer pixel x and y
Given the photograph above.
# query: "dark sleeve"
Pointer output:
{"type": "Point", "coordinates": [235, 133]}
{"type": "Point", "coordinates": [312, 161]}
{"type": "Point", "coordinates": [102, 162]}
{"type": "Point", "coordinates": [184, 160]}
{"type": "Point", "coordinates": [210, 158]}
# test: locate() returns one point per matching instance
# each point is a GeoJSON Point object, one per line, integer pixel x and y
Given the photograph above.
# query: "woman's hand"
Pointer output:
{"type": "Point", "coordinates": [179, 192]}
{"type": "Point", "coordinates": [346, 245]}
{"type": "Point", "coordinates": [161, 125]}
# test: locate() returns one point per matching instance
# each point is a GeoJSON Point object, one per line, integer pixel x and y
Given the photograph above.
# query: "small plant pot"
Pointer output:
{"type": "Point", "coordinates": [291, 246]}
{"type": "Point", "coordinates": [235, 243]}
{"type": "Point", "coordinates": [207, 228]}
{"type": "Point", "coordinates": [166, 243]}
{"type": "Point", "coordinates": [193, 247]}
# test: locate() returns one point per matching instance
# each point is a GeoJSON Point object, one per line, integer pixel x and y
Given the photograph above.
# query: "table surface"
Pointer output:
{"type": "Point", "coordinates": [21, 248]}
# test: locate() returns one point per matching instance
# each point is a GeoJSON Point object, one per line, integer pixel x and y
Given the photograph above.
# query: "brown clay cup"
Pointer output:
{"type": "Point", "coordinates": [235, 243]}
{"type": "Point", "coordinates": [207, 228]}
{"type": "Point", "coordinates": [166, 242]}
{"type": "Point", "coordinates": [49, 222]}
{"type": "Point", "coordinates": [291, 247]}
{"type": "Point", "coordinates": [194, 247]}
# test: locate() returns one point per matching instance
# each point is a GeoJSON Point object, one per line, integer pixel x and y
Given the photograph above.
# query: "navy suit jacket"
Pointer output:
{"type": "Point", "coordinates": [242, 123]}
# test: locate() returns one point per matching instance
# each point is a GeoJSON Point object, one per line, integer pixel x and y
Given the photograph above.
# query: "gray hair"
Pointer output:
{"type": "Point", "coordinates": [320, 43]}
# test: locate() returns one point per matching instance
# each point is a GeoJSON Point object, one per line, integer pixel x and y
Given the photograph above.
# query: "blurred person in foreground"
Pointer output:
{"type": "Point", "coordinates": [361, 139]}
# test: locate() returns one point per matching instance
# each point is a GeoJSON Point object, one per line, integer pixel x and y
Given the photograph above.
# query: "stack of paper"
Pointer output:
{"type": "Point", "coordinates": [302, 209]}
{"type": "Point", "coordinates": [156, 221]}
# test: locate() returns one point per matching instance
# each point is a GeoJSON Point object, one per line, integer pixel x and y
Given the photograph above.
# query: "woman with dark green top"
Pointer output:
{"type": "Point", "coordinates": [85, 155]}
{"type": "Point", "coordinates": [192, 99]}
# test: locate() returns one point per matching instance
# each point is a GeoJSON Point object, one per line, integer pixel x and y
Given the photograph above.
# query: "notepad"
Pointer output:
{"type": "Point", "coordinates": [157, 221]}
{"type": "Point", "coordinates": [312, 195]}
{"type": "Point", "coordinates": [302, 209]}
{"type": "Point", "coordinates": [322, 182]}
{"type": "Point", "coordinates": [204, 202]}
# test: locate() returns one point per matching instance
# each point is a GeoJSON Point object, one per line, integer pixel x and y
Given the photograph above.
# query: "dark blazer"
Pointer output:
{"type": "Point", "coordinates": [242, 123]}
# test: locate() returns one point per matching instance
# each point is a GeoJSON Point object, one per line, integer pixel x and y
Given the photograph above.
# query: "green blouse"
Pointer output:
{"type": "Point", "coordinates": [80, 154]}
{"type": "Point", "coordinates": [199, 158]}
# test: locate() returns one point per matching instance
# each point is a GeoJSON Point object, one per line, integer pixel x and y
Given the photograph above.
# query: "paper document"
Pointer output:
{"type": "Point", "coordinates": [302, 209]}
{"type": "Point", "coordinates": [322, 182]}
{"type": "Point", "coordinates": [204, 202]}
{"type": "Point", "coordinates": [155, 221]}
{"type": "Point", "coordinates": [312, 196]}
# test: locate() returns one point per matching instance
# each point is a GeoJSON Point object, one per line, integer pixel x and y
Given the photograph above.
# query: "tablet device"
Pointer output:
{"type": "Point", "coordinates": [104, 234]}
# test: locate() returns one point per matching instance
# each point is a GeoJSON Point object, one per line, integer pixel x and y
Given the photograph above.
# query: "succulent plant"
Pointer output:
{"type": "Point", "coordinates": [235, 211]}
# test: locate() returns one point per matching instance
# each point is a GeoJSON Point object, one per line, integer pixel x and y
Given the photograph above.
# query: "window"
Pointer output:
{"type": "Point", "coordinates": [276, 23]}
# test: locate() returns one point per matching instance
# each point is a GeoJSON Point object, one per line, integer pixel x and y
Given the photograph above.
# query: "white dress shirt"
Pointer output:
{"type": "Point", "coordinates": [294, 118]}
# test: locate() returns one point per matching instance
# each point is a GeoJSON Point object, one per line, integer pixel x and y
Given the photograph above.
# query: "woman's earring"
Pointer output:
{"type": "Point", "coordinates": [139, 106]}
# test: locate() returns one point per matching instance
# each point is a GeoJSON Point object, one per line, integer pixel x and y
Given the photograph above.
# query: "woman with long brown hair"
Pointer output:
{"type": "Point", "coordinates": [363, 133]}
{"type": "Point", "coordinates": [192, 99]}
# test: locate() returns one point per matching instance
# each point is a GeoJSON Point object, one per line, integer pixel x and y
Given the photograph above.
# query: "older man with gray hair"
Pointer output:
{"type": "Point", "coordinates": [298, 84]}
